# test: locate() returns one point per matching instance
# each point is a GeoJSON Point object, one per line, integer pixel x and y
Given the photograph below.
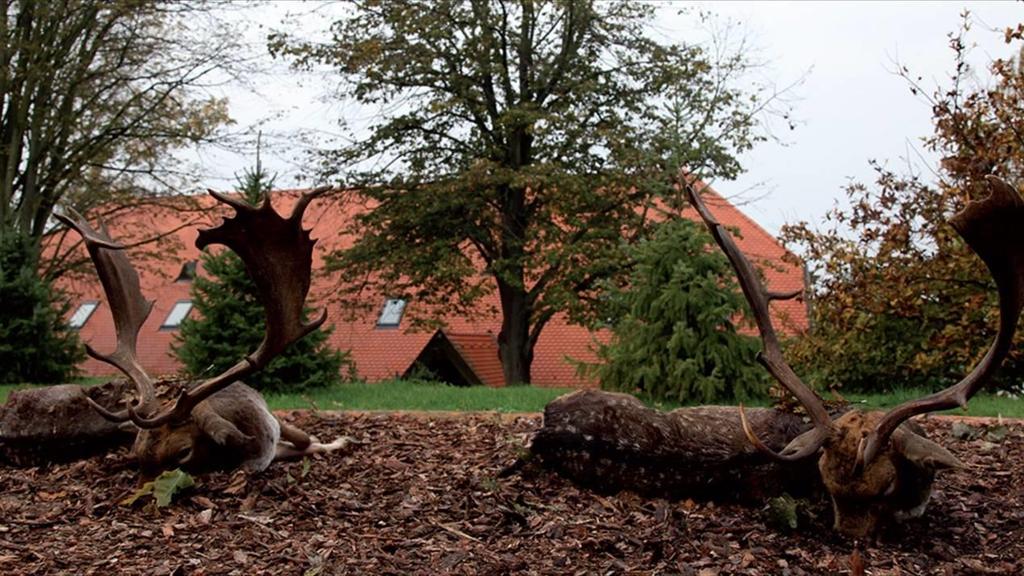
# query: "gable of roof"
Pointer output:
{"type": "Point", "coordinates": [460, 359]}
{"type": "Point", "coordinates": [481, 353]}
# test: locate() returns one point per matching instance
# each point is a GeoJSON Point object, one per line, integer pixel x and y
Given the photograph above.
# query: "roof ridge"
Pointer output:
{"type": "Point", "coordinates": [748, 220]}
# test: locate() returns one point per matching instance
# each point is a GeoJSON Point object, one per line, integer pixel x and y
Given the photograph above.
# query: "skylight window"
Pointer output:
{"type": "Point", "coordinates": [177, 314]}
{"type": "Point", "coordinates": [188, 272]}
{"type": "Point", "coordinates": [391, 315]}
{"type": "Point", "coordinates": [81, 316]}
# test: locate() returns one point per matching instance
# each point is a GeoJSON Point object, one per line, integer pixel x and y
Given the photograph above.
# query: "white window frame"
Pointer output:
{"type": "Point", "coordinates": [176, 316]}
{"type": "Point", "coordinates": [391, 313]}
{"type": "Point", "coordinates": [82, 314]}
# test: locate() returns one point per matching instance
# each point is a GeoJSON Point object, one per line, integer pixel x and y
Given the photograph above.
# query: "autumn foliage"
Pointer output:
{"type": "Point", "coordinates": [898, 299]}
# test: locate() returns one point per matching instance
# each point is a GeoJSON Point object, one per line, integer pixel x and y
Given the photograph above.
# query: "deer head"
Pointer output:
{"type": "Point", "coordinates": [874, 465]}
{"type": "Point", "coordinates": [218, 422]}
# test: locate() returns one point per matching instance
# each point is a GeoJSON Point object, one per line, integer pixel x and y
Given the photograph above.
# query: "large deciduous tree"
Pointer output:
{"type": "Point", "coordinates": [898, 299]}
{"type": "Point", "coordinates": [525, 139]}
{"type": "Point", "coordinates": [95, 96]}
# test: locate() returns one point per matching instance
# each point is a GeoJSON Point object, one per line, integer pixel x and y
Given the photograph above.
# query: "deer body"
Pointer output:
{"type": "Point", "coordinates": [231, 429]}
{"type": "Point", "coordinates": [609, 442]}
{"type": "Point", "coordinates": [57, 424]}
{"type": "Point", "coordinates": [873, 464]}
{"type": "Point", "coordinates": [218, 423]}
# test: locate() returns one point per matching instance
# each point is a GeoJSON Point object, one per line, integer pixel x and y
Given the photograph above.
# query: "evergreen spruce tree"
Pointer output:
{"type": "Point", "coordinates": [230, 321]}
{"type": "Point", "coordinates": [36, 344]}
{"type": "Point", "coordinates": [674, 333]}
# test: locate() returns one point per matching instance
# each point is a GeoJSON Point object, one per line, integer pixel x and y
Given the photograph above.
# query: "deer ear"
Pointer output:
{"type": "Point", "coordinates": [922, 452]}
{"type": "Point", "coordinates": [219, 429]}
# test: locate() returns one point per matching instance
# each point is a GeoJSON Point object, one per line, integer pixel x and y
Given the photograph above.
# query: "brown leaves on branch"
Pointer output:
{"type": "Point", "coordinates": [898, 298]}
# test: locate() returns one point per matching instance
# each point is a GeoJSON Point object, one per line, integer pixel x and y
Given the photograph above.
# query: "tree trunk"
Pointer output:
{"type": "Point", "coordinates": [610, 442]}
{"type": "Point", "coordinates": [514, 344]}
{"type": "Point", "coordinates": [57, 424]}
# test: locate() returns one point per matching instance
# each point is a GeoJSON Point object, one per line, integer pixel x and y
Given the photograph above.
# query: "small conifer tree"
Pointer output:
{"type": "Point", "coordinates": [230, 322]}
{"type": "Point", "coordinates": [673, 325]}
{"type": "Point", "coordinates": [36, 344]}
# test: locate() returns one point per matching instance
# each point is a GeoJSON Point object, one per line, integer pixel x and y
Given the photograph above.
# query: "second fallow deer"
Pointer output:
{"type": "Point", "coordinates": [219, 423]}
{"type": "Point", "coordinates": [873, 464]}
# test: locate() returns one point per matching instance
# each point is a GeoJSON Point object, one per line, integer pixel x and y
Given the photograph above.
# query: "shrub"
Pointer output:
{"type": "Point", "coordinates": [36, 344]}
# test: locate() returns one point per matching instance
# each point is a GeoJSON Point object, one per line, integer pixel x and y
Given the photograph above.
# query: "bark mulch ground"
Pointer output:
{"type": "Point", "coordinates": [422, 495]}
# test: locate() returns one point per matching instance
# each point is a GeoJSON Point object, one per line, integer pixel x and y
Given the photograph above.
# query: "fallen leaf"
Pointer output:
{"type": "Point", "coordinates": [205, 516]}
{"type": "Point", "coordinates": [238, 483]}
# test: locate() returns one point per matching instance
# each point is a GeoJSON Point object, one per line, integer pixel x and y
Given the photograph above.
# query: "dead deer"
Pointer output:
{"type": "Point", "coordinates": [219, 423]}
{"type": "Point", "coordinates": [874, 466]}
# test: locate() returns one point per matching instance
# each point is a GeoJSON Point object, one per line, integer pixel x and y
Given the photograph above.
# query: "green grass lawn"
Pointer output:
{"type": "Point", "coordinates": [428, 396]}
{"type": "Point", "coordinates": [6, 389]}
{"type": "Point", "coordinates": [417, 395]}
{"type": "Point", "coordinates": [981, 405]}
{"type": "Point", "coordinates": [397, 395]}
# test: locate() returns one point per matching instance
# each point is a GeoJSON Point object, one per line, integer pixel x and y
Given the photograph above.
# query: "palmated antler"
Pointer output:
{"type": "Point", "coordinates": [278, 254]}
{"type": "Point", "coordinates": [992, 227]}
{"type": "Point", "coordinates": [771, 356]}
{"type": "Point", "coordinates": [127, 306]}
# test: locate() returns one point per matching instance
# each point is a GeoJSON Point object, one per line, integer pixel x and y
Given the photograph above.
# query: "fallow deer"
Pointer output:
{"type": "Point", "coordinates": [219, 423]}
{"type": "Point", "coordinates": [873, 465]}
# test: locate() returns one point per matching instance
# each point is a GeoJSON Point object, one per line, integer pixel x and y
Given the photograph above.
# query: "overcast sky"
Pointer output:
{"type": "Point", "coordinates": [850, 106]}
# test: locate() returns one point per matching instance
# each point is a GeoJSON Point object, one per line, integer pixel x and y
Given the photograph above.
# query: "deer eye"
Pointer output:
{"type": "Point", "coordinates": [184, 455]}
{"type": "Point", "coordinates": [890, 488]}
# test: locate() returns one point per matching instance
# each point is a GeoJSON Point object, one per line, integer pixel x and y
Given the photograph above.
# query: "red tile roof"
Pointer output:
{"type": "Point", "coordinates": [481, 353]}
{"type": "Point", "coordinates": [381, 353]}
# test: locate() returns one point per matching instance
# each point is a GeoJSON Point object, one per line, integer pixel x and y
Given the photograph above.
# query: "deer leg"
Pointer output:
{"type": "Point", "coordinates": [298, 438]}
{"type": "Point", "coordinates": [220, 429]}
{"type": "Point", "coordinates": [296, 443]}
{"type": "Point", "coordinates": [286, 451]}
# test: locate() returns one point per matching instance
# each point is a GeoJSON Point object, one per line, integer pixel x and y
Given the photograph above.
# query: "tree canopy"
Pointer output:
{"type": "Point", "coordinates": [517, 145]}
{"type": "Point", "coordinates": [899, 300]}
{"type": "Point", "coordinates": [95, 97]}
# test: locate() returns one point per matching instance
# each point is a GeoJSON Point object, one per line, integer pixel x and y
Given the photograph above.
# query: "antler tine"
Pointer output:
{"type": "Point", "coordinates": [127, 305]}
{"type": "Point", "coordinates": [278, 254]}
{"type": "Point", "coordinates": [808, 450]}
{"type": "Point", "coordinates": [992, 228]}
{"type": "Point", "coordinates": [235, 203]}
{"type": "Point", "coordinates": [771, 356]}
{"type": "Point", "coordinates": [305, 199]}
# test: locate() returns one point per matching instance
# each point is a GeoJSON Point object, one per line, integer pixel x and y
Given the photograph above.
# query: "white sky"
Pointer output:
{"type": "Point", "coordinates": [850, 107]}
